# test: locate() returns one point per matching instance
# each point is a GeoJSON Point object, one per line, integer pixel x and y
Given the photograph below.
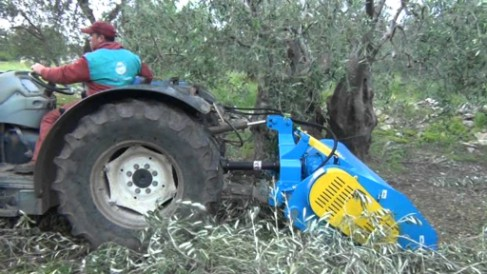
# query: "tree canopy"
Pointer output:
{"type": "Point", "coordinates": [313, 59]}
{"type": "Point", "coordinates": [49, 31]}
{"type": "Point", "coordinates": [446, 42]}
{"type": "Point", "coordinates": [295, 51]}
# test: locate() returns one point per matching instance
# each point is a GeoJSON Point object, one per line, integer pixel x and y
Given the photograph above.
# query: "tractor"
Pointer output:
{"type": "Point", "coordinates": [124, 152]}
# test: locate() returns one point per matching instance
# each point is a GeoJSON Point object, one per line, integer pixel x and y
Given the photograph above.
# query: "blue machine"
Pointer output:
{"type": "Point", "coordinates": [323, 179]}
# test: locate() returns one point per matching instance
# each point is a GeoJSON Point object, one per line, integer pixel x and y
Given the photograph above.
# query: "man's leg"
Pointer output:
{"type": "Point", "coordinates": [47, 123]}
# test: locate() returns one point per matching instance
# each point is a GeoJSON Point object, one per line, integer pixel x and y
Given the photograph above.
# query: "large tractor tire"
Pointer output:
{"type": "Point", "coordinates": [129, 158]}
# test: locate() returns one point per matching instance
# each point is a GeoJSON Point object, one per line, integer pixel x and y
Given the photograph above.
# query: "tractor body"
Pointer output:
{"type": "Point", "coordinates": [124, 152]}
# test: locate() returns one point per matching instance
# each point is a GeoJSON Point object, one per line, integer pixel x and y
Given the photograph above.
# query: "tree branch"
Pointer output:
{"type": "Point", "coordinates": [116, 11]}
{"type": "Point", "coordinates": [34, 30]}
{"type": "Point", "coordinates": [87, 11]}
{"type": "Point", "coordinates": [369, 8]}
{"type": "Point", "coordinates": [389, 34]}
{"type": "Point", "coordinates": [240, 43]}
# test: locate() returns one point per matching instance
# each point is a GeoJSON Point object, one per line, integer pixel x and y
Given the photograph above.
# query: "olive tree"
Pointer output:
{"type": "Point", "coordinates": [296, 51]}
{"type": "Point", "coordinates": [49, 31]}
{"type": "Point", "coordinates": [444, 46]}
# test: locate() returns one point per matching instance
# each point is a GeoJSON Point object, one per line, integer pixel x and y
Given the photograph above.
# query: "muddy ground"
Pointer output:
{"type": "Point", "coordinates": [451, 194]}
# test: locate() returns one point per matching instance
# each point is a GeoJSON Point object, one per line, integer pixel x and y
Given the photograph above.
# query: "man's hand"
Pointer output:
{"type": "Point", "coordinates": [37, 68]}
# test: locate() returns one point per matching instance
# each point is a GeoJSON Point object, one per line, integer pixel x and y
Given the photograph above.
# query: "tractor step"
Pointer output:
{"type": "Point", "coordinates": [17, 194]}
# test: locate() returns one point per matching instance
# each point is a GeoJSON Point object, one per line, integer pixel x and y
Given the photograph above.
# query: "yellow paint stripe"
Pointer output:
{"type": "Point", "coordinates": [315, 143]}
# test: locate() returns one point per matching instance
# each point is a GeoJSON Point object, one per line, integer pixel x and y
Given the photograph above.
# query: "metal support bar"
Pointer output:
{"type": "Point", "coordinates": [250, 165]}
{"type": "Point", "coordinates": [235, 125]}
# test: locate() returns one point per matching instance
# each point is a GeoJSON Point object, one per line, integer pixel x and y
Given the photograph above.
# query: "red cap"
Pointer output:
{"type": "Point", "coordinates": [102, 28]}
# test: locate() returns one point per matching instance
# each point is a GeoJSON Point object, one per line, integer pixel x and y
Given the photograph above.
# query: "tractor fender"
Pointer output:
{"type": "Point", "coordinates": [45, 170]}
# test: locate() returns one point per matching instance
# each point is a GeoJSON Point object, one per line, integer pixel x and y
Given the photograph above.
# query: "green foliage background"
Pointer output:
{"type": "Point", "coordinates": [439, 53]}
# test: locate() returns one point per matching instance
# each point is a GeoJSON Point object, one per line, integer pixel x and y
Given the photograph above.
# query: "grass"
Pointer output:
{"type": "Point", "coordinates": [480, 120]}
{"type": "Point", "coordinates": [13, 65]}
{"type": "Point", "coordinates": [410, 121]}
{"type": "Point", "coordinates": [252, 242]}
{"type": "Point", "coordinates": [236, 90]}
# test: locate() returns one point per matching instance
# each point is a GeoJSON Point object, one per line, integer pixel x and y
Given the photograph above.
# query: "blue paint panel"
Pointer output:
{"type": "Point", "coordinates": [300, 167]}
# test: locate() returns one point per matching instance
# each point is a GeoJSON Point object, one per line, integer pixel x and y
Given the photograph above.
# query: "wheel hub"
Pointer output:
{"type": "Point", "coordinates": [139, 180]}
{"type": "Point", "coordinates": [142, 178]}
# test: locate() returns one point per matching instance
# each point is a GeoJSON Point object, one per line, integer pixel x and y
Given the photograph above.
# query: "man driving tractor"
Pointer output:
{"type": "Point", "coordinates": [108, 65]}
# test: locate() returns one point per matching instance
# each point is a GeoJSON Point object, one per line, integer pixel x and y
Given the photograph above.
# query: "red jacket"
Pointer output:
{"type": "Point", "coordinates": [78, 72]}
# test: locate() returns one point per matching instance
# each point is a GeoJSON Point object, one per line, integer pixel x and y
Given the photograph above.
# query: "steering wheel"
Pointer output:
{"type": "Point", "coordinates": [64, 89]}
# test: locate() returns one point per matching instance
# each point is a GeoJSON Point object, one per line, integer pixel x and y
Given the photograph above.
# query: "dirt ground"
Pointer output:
{"type": "Point", "coordinates": [451, 194]}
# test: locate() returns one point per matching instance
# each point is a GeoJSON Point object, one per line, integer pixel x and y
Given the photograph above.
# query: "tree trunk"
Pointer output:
{"type": "Point", "coordinates": [300, 69]}
{"type": "Point", "coordinates": [261, 134]}
{"type": "Point", "coordinates": [350, 109]}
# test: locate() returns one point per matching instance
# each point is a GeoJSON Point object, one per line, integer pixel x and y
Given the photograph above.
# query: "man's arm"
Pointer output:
{"type": "Point", "coordinates": [75, 72]}
{"type": "Point", "coordinates": [146, 72]}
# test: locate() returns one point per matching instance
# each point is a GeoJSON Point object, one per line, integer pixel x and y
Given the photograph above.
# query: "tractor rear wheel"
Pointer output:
{"type": "Point", "coordinates": [130, 158]}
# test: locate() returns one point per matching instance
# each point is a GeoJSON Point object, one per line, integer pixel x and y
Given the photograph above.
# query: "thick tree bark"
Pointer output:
{"type": "Point", "coordinates": [350, 109]}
